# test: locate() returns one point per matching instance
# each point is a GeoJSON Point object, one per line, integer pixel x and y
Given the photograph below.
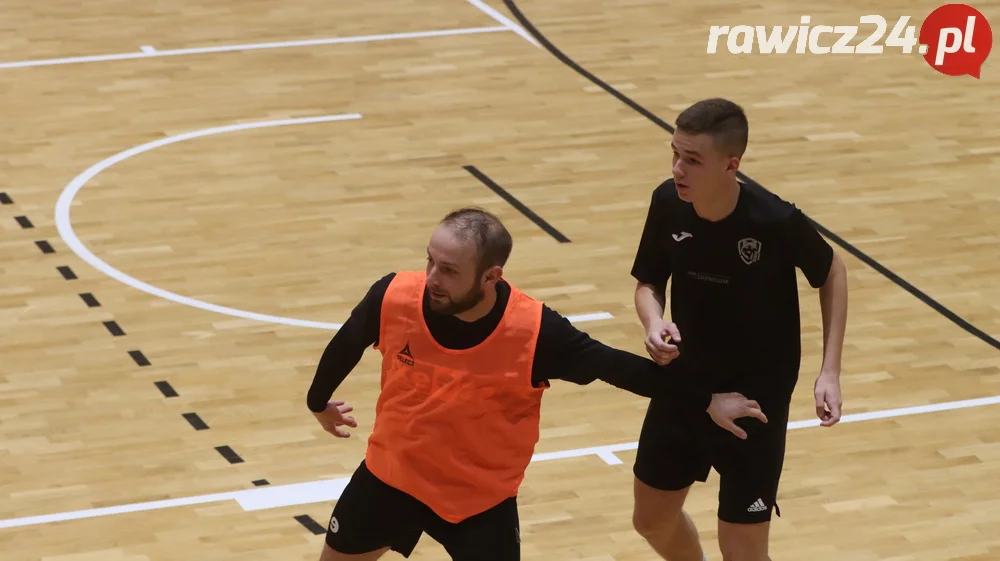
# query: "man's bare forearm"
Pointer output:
{"type": "Point", "coordinates": [650, 304]}
{"type": "Point", "coordinates": [833, 303]}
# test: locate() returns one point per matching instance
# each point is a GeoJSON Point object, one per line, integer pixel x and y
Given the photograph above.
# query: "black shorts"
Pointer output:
{"type": "Point", "coordinates": [675, 451]}
{"type": "Point", "coordinates": [371, 515]}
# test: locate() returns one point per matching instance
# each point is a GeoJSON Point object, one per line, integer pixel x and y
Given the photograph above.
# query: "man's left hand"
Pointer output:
{"type": "Point", "coordinates": [828, 400]}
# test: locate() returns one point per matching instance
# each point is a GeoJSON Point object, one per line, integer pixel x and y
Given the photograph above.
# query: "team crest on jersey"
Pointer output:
{"type": "Point", "coordinates": [749, 250]}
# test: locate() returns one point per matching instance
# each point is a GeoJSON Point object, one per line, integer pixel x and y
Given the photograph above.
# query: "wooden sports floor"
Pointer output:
{"type": "Point", "coordinates": [203, 163]}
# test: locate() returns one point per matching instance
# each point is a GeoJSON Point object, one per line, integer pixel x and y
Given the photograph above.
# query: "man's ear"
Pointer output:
{"type": "Point", "coordinates": [733, 165]}
{"type": "Point", "coordinates": [493, 274]}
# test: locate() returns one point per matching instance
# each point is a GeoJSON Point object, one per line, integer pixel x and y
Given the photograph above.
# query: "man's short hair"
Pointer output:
{"type": "Point", "coordinates": [493, 241]}
{"type": "Point", "coordinates": [720, 118]}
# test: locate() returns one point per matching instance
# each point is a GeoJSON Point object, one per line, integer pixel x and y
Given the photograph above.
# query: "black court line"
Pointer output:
{"type": "Point", "coordinates": [902, 283]}
{"type": "Point", "coordinates": [139, 358]}
{"type": "Point", "coordinates": [166, 389]}
{"type": "Point", "coordinates": [229, 454]}
{"type": "Point", "coordinates": [195, 421]}
{"type": "Point", "coordinates": [517, 204]}
{"type": "Point", "coordinates": [310, 524]}
{"type": "Point", "coordinates": [116, 330]}
{"type": "Point", "coordinates": [922, 296]}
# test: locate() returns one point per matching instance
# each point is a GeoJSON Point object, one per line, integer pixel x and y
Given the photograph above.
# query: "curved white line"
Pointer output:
{"type": "Point", "coordinates": [65, 226]}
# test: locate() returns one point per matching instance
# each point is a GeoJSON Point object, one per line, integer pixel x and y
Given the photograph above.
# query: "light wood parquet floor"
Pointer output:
{"type": "Point", "coordinates": [296, 221]}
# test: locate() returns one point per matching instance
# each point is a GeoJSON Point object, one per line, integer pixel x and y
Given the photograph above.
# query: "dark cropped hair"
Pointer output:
{"type": "Point", "coordinates": [720, 118]}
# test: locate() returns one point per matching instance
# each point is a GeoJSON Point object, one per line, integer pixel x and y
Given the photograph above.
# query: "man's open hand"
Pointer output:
{"type": "Point", "coordinates": [332, 418]}
{"type": "Point", "coordinates": [727, 407]}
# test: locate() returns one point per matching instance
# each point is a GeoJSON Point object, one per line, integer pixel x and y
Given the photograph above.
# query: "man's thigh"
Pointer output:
{"type": "Point", "coordinates": [493, 535]}
{"type": "Point", "coordinates": [671, 454]}
{"type": "Point", "coordinates": [371, 515]}
{"type": "Point", "coordinates": [750, 470]}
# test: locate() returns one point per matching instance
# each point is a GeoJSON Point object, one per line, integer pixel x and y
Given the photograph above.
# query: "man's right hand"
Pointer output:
{"type": "Point", "coordinates": [727, 407]}
{"type": "Point", "coordinates": [333, 417]}
{"type": "Point", "coordinates": [659, 350]}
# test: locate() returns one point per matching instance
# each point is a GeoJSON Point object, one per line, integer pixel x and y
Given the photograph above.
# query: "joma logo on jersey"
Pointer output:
{"type": "Point", "coordinates": [405, 356]}
{"type": "Point", "coordinates": [749, 250]}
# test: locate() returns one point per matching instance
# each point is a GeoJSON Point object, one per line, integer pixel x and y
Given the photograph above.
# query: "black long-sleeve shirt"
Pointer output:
{"type": "Point", "coordinates": [562, 352]}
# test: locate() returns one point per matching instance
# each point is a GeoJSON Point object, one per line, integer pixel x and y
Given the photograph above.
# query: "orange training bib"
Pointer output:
{"type": "Point", "coordinates": [455, 429]}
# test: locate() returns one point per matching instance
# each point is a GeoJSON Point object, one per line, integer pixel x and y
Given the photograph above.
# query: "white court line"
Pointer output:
{"type": "Point", "coordinates": [607, 452]}
{"type": "Point", "coordinates": [507, 23]}
{"type": "Point", "coordinates": [64, 224]}
{"type": "Point", "coordinates": [149, 52]}
{"type": "Point", "coordinates": [328, 490]}
{"type": "Point", "coordinates": [589, 317]}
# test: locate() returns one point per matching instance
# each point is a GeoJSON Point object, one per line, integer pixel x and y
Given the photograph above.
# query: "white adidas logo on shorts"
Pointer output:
{"type": "Point", "coordinates": [758, 506]}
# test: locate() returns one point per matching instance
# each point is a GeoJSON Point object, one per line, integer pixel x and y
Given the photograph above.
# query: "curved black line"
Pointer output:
{"type": "Point", "coordinates": [923, 297]}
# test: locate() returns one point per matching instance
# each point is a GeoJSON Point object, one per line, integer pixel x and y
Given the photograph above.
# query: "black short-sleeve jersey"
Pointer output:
{"type": "Point", "coordinates": [733, 291]}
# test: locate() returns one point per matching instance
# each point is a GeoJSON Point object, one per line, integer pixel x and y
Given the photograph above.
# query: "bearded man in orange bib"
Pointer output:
{"type": "Point", "coordinates": [466, 357]}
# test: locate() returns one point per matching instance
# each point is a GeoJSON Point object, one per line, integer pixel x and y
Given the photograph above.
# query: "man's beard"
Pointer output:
{"type": "Point", "coordinates": [466, 303]}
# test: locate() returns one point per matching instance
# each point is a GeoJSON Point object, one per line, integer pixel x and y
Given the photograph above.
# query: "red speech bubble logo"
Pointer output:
{"type": "Point", "coordinates": [955, 40]}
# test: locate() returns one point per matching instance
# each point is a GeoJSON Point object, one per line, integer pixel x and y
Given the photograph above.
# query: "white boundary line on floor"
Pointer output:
{"type": "Point", "coordinates": [329, 490]}
{"type": "Point", "coordinates": [504, 21]}
{"type": "Point", "coordinates": [148, 51]}
{"type": "Point", "coordinates": [64, 224]}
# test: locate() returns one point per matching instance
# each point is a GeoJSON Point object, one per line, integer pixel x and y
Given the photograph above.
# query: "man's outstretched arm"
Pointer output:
{"type": "Point", "coordinates": [566, 353]}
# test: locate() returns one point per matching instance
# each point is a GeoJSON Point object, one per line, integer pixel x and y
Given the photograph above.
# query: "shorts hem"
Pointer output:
{"type": "Point", "coordinates": [403, 551]}
{"type": "Point", "coordinates": [665, 485]}
{"type": "Point", "coordinates": [743, 521]}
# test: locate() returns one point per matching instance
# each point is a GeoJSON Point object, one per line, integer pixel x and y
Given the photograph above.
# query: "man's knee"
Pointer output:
{"type": "Point", "coordinates": [657, 512]}
{"type": "Point", "coordinates": [655, 525]}
{"type": "Point", "coordinates": [744, 542]}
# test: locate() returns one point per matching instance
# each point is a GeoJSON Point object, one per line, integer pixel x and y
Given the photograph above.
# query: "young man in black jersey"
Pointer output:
{"type": "Point", "coordinates": [448, 439]}
{"type": "Point", "coordinates": [731, 251]}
